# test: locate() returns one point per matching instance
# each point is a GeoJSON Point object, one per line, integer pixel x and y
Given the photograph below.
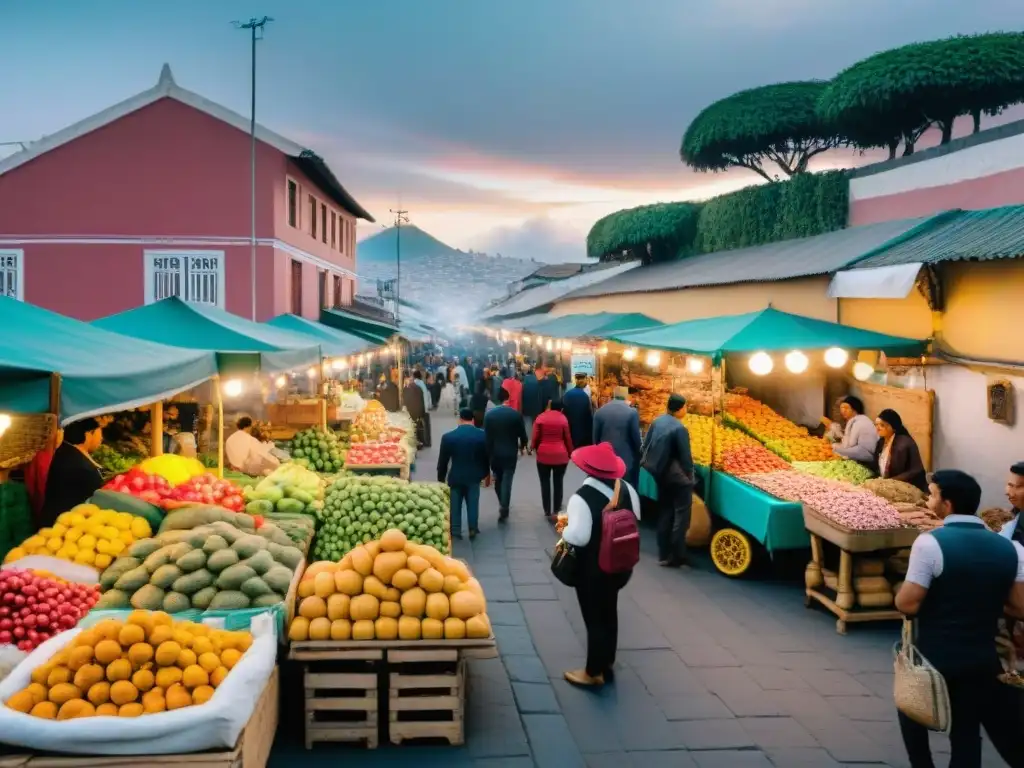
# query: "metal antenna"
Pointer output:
{"type": "Point", "coordinates": [256, 28]}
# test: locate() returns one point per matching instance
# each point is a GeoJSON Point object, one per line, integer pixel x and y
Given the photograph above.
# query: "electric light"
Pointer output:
{"type": "Point", "coordinates": [603, 350]}
{"type": "Point", "coordinates": [233, 388]}
{"type": "Point", "coordinates": [280, 382]}
{"type": "Point", "coordinates": [5, 423]}
{"type": "Point", "coordinates": [796, 361]}
{"type": "Point", "coordinates": [653, 358]}
{"type": "Point", "coordinates": [629, 354]}
{"type": "Point", "coordinates": [694, 365]}
{"type": "Point", "coordinates": [862, 371]}
{"type": "Point", "coordinates": [761, 363]}
{"type": "Point", "coordinates": [835, 357]}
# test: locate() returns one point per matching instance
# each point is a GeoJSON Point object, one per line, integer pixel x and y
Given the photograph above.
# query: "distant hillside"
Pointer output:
{"type": "Point", "coordinates": [416, 246]}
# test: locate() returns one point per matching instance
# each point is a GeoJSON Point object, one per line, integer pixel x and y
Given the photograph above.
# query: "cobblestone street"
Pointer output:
{"type": "Point", "coordinates": [711, 672]}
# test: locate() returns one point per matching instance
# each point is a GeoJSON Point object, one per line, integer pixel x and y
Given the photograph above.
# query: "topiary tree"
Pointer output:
{"type": "Point", "coordinates": [776, 124]}
{"type": "Point", "coordinates": [659, 232]}
{"type": "Point", "coordinates": [897, 95]}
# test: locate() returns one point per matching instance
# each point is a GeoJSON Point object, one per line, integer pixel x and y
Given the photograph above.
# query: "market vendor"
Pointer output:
{"type": "Point", "coordinates": [246, 454]}
{"type": "Point", "coordinates": [73, 476]}
{"type": "Point", "coordinates": [897, 456]}
{"type": "Point", "coordinates": [857, 436]}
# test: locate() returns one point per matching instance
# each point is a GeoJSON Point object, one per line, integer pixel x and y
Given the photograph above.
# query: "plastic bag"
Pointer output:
{"type": "Point", "coordinates": [217, 724]}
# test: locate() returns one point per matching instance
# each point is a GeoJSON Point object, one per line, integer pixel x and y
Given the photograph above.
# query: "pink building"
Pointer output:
{"type": "Point", "coordinates": [151, 198]}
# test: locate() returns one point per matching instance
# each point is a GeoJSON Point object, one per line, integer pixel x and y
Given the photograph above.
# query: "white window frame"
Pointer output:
{"type": "Point", "coordinates": [150, 256]}
{"type": "Point", "coordinates": [17, 257]}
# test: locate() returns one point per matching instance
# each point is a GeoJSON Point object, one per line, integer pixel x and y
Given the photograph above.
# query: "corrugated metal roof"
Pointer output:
{"type": "Point", "coordinates": [536, 298]}
{"type": "Point", "coordinates": [803, 257]}
{"type": "Point", "coordinates": [994, 233]}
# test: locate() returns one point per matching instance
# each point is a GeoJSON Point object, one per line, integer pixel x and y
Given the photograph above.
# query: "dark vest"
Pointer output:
{"type": "Point", "coordinates": [957, 624]}
{"type": "Point", "coordinates": [588, 555]}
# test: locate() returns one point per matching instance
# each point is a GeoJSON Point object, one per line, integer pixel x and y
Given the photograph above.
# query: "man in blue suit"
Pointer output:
{"type": "Point", "coordinates": [462, 462]}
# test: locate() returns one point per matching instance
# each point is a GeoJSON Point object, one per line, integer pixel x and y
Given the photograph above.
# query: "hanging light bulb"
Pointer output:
{"type": "Point", "coordinates": [5, 422]}
{"type": "Point", "coordinates": [653, 358]}
{"type": "Point", "coordinates": [280, 382]}
{"type": "Point", "coordinates": [629, 354]}
{"type": "Point", "coordinates": [761, 363]}
{"type": "Point", "coordinates": [862, 371]}
{"type": "Point", "coordinates": [836, 357]}
{"type": "Point", "coordinates": [796, 361]}
{"type": "Point", "coordinates": [694, 365]}
{"type": "Point", "coordinates": [603, 350]}
{"type": "Point", "coordinates": [233, 388]}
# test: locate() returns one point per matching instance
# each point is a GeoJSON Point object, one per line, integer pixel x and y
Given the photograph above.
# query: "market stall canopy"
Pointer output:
{"type": "Point", "coordinates": [582, 326]}
{"type": "Point", "coordinates": [767, 330]}
{"type": "Point", "coordinates": [332, 342]}
{"type": "Point", "coordinates": [100, 371]}
{"type": "Point", "coordinates": [372, 330]}
{"type": "Point", "coordinates": [241, 345]}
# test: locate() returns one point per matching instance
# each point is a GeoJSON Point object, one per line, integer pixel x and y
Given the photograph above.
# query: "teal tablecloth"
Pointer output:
{"type": "Point", "coordinates": [774, 523]}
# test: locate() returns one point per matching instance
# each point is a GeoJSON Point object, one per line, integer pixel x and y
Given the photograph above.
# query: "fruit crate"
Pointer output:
{"type": "Point", "coordinates": [426, 695]}
{"type": "Point", "coordinates": [251, 751]}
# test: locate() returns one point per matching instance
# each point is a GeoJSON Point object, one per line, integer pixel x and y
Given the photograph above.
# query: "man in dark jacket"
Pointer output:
{"type": "Point", "coordinates": [462, 463]}
{"type": "Point", "coordinates": [532, 405]}
{"type": "Point", "coordinates": [506, 436]}
{"type": "Point", "coordinates": [666, 455]}
{"type": "Point", "coordinates": [579, 410]}
{"type": "Point", "coordinates": [619, 424]}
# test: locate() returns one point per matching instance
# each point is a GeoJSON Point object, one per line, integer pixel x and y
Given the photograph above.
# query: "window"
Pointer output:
{"type": "Point", "coordinates": [322, 290]}
{"type": "Point", "coordinates": [293, 204]}
{"type": "Point", "coordinates": [312, 216]}
{"type": "Point", "coordinates": [323, 222]}
{"type": "Point", "coordinates": [334, 230]}
{"type": "Point", "coordinates": [337, 291]}
{"type": "Point", "coordinates": [193, 276]}
{"type": "Point", "coordinates": [296, 287]}
{"type": "Point", "coordinates": [12, 281]}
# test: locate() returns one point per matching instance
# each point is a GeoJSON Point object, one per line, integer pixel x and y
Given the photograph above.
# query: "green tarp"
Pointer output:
{"type": "Point", "coordinates": [595, 325]}
{"type": "Point", "coordinates": [371, 330]}
{"type": "Point", "coordinates": [332, 342]}
{"type": "Point", "coordinates": [767, 330]}
{"type": "Point", "coordinates": [241, 345]}
{"type": "Point", "coordinates": [100, 371]}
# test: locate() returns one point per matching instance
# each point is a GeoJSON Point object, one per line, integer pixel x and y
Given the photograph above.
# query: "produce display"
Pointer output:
{"type": "Point", "coordinates": [146, 664]}
{"type": "Point", "coordinates": [213, 566]}
{"type": "Point", "coordinates": [779, 434]}
{"type": "Point", "coordinates": [87, 535]}
{"type": "Point", "coordinates": [896, 491]}
{"type": "Point", "coordinates": [33, 608]}
{"type": "Point", "coordinates": [846, 471]}
{"type": "Point", "coordinates": [358, 508]}
{"type": "Point", "coordinates": [390, 589]}
{"type": "Point", "coordinates": [843, 504]}
{"type": "Point", "coordinates": [317, 450]}
{"type": "Point", "coordinates": [291, 489]}
{"type": "Point", "coordinates": [376, 454]}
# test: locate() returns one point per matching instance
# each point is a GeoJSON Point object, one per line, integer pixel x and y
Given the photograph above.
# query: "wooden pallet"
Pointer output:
{"type": "Point", "coordinates": [426, 696]}
{"type": "Point", "coordinates": [341, 695]}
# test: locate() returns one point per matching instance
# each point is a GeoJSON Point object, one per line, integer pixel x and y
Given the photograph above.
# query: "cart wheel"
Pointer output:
{"type": "Point", "coordinates": [841, 627]}
{"type": "Point", "coordinates": [731, 552]}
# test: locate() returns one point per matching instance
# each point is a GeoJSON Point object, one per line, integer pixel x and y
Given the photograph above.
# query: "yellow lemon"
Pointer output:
{"type": "Point", "coordinates": [102, 561]}
{"type": "Point", "coordinates": [140, 528]}
{"type": "Point", "coordinates": [87, 542]}
{"type": "Point", "coordinates": [54, 544]}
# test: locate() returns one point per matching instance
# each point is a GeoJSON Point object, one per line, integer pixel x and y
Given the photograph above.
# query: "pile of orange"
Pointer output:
{"type": "Point", "coordinates": [145, 664]}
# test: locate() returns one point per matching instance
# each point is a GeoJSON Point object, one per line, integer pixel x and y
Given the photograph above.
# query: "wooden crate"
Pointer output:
{"type": "Point", "coordinates": [341, 693]}
{"type": "Point", "coordinates": [426, 695]}
{"type": "Point", "coordinates": [252, 750]}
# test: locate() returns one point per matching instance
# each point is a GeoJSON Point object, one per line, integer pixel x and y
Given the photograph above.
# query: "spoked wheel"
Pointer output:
{"type": "Point", "coordinates": [731, 552]}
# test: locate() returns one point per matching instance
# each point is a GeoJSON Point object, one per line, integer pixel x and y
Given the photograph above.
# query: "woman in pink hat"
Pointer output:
{"type": "Point", "coordinates": [596, 590]}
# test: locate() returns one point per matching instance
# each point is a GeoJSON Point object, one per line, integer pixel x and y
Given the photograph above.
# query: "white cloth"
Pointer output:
{"type": "Point", "coordinates": [1009, 527]}
{"type": "Point", "coordinates": [859, 439]}
{"type": "Point", "coordinates": [580, 523]}
{"type": "Point", "coordinates": [247, 454]}
{"type": "Point", "coordinates": [925, 562]}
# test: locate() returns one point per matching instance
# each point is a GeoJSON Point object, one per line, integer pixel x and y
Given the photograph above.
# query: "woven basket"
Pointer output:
{"type": "Point", "coordinates": [27, 435]}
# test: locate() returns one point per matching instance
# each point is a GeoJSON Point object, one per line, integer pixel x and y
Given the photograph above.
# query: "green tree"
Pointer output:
{"type": "Point", "coordinates": [777, 124]}
{"type": "Point", "coordinates": [659, 232]}
{"type": "Point", "coordinates": [896, 95]}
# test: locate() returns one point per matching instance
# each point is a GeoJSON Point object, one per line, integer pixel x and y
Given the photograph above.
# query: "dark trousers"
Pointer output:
{"type": "Point", "coordinates": [551, 475]}
{"type": "Point", "coordinates": [599, 604]}
{"type": "Point", "coordinates": [675, 503]}
{"type": "Point", "coordinates": [976, 699]}
{"type": "Point", "coordinates": [503, 487]}
{"type": "Point", "coordinates": [468, 495]}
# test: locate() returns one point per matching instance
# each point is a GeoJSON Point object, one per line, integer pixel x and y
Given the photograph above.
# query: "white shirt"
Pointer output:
{"type": "Point", "coordinates": [925, 563]}
{"type": "Point", "coordinates": [580, 523]}
{"type": "Point", "coordinates": [247, 454]}
{"type": "Point", "coordinates": [1009, 527]}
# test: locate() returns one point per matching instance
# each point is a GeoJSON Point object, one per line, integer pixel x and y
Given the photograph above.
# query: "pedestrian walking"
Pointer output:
{"type": "Point", "coordinates": [666, 455]}
{"type": "Point", "coordinates": [959, 578]}
{"type": "Point", "coordinates": [597, 590]}
{"type": "Point", "coordinates": [462, 463]}
{"type": "Point", "coordinates": [506, 435]}
{"type": "Point", "coordinates": [619, 424]}
{"type": "Point", "coordinates": [552, 442]}
{"type": "Point", "coordinates": [579, 410]}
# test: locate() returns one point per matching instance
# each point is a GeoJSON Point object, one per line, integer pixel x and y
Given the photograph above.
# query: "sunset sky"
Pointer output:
{"type": "Point", "coordinates": [503, 126]}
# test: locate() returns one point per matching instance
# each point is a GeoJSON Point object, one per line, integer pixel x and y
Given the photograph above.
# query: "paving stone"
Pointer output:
{"type": "Point", "coordinates": [525, 669]}
{"type": "Point", "coordinates": [869, 708]}
{"type": "Point", "coordinates": [552, 745]}
{"type": "Point", "coordinates": [775, 732]}
{"type": "Point", "coordinates": [506, 615]}
{"type": "Point", "coordinates": [834, 683]}
{"type": "Point", "coordinates": [535, 698]}
{"type": "Point", "coordinates": [731, 759]}
{"type": "Point", "coordinates": [713, 734]}
{"type": "Point", "coordinates": [801, 757]}
{"type": "Point", "coordinates": [514, 641]}
{"type": "Point", "coordinates": [535, 592]}
{"type": "Point", "coordinates": [693, 706]}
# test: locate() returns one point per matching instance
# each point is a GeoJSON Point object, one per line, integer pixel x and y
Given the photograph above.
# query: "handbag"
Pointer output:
{"type": "Point", "coordinates": [565, 565]}
{"type": "Point", "coordinates": [919, 689]}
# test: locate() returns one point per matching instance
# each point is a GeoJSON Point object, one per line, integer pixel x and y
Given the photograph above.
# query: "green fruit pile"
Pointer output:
{"type": "Point", "coordinates": [846, 471]}
{"type": "Point", "coordinates": [358, 508]}
{"type": "Point", "coordinates": [318, 450]}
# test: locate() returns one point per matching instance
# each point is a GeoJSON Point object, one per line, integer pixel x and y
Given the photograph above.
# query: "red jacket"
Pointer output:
{"type": "Point", "coordinates": [551, 438]}
{"type": "Point", "coordinates": [514, 387]}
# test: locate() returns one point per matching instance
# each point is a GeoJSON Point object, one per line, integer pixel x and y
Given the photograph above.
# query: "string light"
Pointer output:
{"type": "Point", "coordinates": [233, 388]}
{"type": "Point", "coordinates": [796, 361]}
{"type": "Point", "coordinates": [629, 354]}
{"type": "Point", "coordinates": [862, 371]}
{"type": "Point", "coordinates": [835, 357]}
{"type": "Point", "coordinates": [694, 365]}
{"type": "Point", "coordinates": [761, 363]}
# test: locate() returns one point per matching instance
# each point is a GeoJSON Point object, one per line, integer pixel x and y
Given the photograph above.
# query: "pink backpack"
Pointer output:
{"type": "Point", "coordinates": [620, 537]}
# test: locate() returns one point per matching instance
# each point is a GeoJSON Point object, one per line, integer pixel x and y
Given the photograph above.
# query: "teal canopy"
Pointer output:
{"type": "Point", "coordinates": [332, 342]}
{"type": "Point", "coordinates": [100, 371]}
{"type": "Point", "coordinates": [373, 331]}
{"type": "Point", "coordinates": [241, 345]}
{"type": "Point", "coordinates": [596, 325]}
{"type": "Point", "coordinates": [767, 330]}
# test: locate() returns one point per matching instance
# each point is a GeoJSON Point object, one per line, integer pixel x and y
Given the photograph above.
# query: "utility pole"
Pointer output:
{"type": "Point", "coordinates": [256, 27]}
{"type": "Point", "coordinates": [401, 217]}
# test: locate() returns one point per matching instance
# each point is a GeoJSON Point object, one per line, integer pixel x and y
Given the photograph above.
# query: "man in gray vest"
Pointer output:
{"type": "Point", "coordinates": [960, 580]}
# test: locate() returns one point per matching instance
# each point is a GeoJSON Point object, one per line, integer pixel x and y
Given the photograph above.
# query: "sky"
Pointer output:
{"type": "Point", "coordinates": [508, 127]}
